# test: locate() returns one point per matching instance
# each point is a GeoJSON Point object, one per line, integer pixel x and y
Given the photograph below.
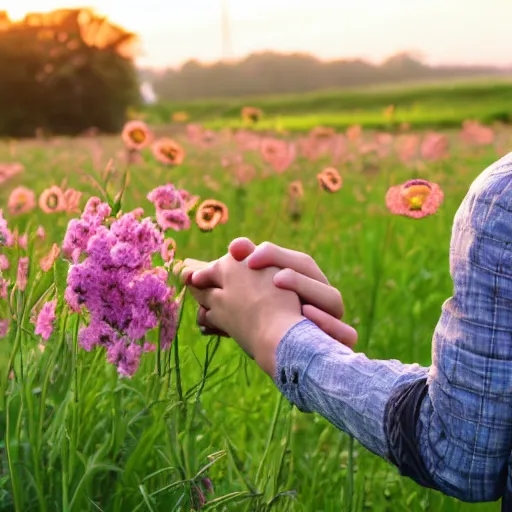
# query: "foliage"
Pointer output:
{"type": "Point", "coordinates": [64, 72]}
{"type": "Point", "coordinates": [75, 437]}
{"type": "Point", "coordinates": [436, 105]}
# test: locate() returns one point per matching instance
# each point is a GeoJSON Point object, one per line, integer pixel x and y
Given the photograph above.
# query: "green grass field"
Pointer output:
{"type": "Point", "coordinates": [75, 437]}
{"type": "Point", "coordinates": [424, 105]}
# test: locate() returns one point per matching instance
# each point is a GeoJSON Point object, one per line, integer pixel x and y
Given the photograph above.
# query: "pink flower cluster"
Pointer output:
{"type": "Point", "coordinates": [45, 320]}
{"type": "Point", "coordinates": [116, 283]}
{"type": "Point", "coordinates": [4, 230]}
{"type": "Point", "coordinates": [171, 207]}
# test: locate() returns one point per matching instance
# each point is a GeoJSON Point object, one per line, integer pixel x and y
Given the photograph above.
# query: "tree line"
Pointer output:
{"type": "Point", "coordinates": [274, 73]}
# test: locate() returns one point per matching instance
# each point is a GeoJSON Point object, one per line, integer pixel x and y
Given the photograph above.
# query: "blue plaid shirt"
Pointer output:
{"type": "Point", "coordinates": [449, 426]}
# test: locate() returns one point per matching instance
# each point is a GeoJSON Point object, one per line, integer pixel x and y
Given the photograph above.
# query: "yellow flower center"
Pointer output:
{"type": "Point", "coordinates": [170, 153]}
{"type": "Point", "coordinates": [138, 135]}
{"type": "Point", "coordinates": [415, 196]}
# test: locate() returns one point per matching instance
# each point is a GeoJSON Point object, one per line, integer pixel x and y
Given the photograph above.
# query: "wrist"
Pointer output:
{"type": "Point", "coordinates": [268, 338]}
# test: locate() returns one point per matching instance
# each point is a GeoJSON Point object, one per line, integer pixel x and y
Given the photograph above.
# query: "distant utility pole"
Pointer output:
{"type": "Point", "coordinates": [227, 51]}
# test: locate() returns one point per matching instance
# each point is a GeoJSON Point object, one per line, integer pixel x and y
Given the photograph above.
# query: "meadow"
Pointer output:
{"type": "Point", "coordinates": [200, 426]}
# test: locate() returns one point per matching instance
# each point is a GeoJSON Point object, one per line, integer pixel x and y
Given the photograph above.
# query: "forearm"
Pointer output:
{"type": "Point", "coordinates": [318, 374]}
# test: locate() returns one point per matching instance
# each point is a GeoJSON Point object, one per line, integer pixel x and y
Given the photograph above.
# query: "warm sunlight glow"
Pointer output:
{"type": "Point", "coordinates": [171, 32]}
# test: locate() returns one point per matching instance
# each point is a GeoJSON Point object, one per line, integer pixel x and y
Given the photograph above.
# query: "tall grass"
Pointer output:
{"type": "Point", "coordinates": [74, 436]}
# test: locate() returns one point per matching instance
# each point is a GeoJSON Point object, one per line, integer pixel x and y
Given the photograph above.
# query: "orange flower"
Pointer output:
{"type": "Point", "coordinates": [167, 151]}
{"type": "Point", "coordinates": [211, 213]}
{"type": "Point", "coordinates": [136, 135]}
{"type": "Point", "coordinates": [251, 114]}
{"type": "Point", "coordinates": [330, 179]}
{"type": "Point", "coordinates": [389, 112]}
{"type": "Point", "coordinates": [21, 200]}
{"type": "Point", "coordinates": [168, 250]}
{"type": "Point", "coordinates": [180, 117]}
{"type": "Point", "coordinates": [52, 200]}
{"type": "Point", "coordinates": [416, 198]}
{"type": "Point", "coordinates": [48, 261]}
{"type": "Point", "coordinates": [295, 189]}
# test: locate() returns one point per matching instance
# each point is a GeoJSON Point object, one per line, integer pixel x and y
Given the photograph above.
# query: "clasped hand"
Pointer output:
{"type": "Point", "coordinates": [255, 294]}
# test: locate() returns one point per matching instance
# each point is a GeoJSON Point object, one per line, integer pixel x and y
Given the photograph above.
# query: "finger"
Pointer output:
{"type": "Point", "coordinates": [208, 277]}
{"type": "Point", "coordinates": [333, 327]}
{"type": "Point", "coordinates": [241, 248]}
{"type": "Point", "coordinates": [271, 255]}
{"type": "Point", "coordinates": [206, 298]}
{"type": "Point", "coordinates": [205, 328]}
{"type": "Point", "coordinates": [320, 295]}
{"type": "Point", "coordinates": [186, 268]}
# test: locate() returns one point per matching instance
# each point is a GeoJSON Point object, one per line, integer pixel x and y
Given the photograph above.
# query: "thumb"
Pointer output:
{"type": "Point", "coordinates": [241, 248]}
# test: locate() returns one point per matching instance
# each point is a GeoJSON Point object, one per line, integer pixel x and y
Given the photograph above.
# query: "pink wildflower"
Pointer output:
{"type": "Point", "coordinates": [3, 288]}
{"type": "Point", "coordinates": [416, 198]}
{"type": "Point", "coordinates": [434, 147]}
{"type": "Point", "coordinates": [41, 233]}
{"type": "Point", "coordinates": [5, 234]}
{"type": "Point", "coordinates": [126, 356]}
{"type": "Point", "coordinates": [477, 134]}
{"type": "Point", "coordinates": [4, 262]}
{"type": "Point", "coordinates": [21, 200]}
{"type": "Point", "coordinates": [22, 277]}
{"type": "Point", "coordinates": [4, 328]}
{"type": "Point", "coordinates": [45, 320]}
{"type": "Point", "coordinates": [124, 295]}
{"type": "Point", "coordinates": [49, 260]}
{"type": "Point", "coordinates": [136, 135]}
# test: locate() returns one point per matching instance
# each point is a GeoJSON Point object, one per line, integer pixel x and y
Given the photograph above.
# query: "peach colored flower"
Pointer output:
{"type": "Point", "coordinates": [416, 198]}
{"type": "Point", "coordinates": [251, 114]}
{"type": "Point", "coordinates": [52, 200]}
{"type": "Point", "coordinates": [207, 139]}
{"type": "Point", "coordinates": [168, 152]}
{"type": "Point", "coordinates": [189, 201]}
{"type": "Point", "coordinates": [48, 261]}
{"type": "Point", "coordinates": [322, 133]}
{"type": "Point", "coordinates": [211, 213]}
{"type": "Point", "coordinates": [434, 147]}
{"type": "Point", "coordinates": [168, 250]}
{"type": "Point", "coordinates": [72, 200]}
{"type": "Point", "coordinates": [330, 179]}
{"type": "Point", "coordinates": [295, 189]}
{"type": "Point", "coordinates": [407, 147]}
{"type": "Point", "coordinates": [389, 112]}
{"type": "Point", "coordinates": [180, 117]}
{"type": "Point", "coordinates": [7, 171]}
{"type": "Point", "coordinates": [244, 173]}
{"type": "Point", "coordinates": [278, 153]}
{"type": "Point", "coordinates": [354, 133]}
{"type": "Point", "coordinates": [136, 135]}
{"type": "Point", "coordinates": [21, 200]}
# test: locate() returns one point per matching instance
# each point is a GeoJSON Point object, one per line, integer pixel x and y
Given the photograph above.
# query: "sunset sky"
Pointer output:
{"type": "Point", "coordinates": [173, 31]}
